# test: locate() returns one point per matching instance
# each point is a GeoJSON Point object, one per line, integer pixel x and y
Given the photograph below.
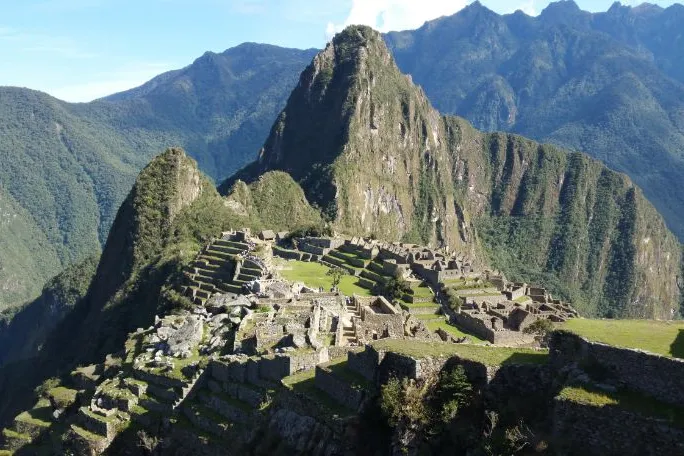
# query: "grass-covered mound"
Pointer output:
{"type": "Point", "coordinates": [661, 337]}
{"type": "Point", "coordinates": [274, 201]}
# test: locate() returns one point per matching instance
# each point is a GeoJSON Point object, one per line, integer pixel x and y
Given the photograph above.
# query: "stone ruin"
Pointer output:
{"type": "Point", "coordinates": [248, 324]}
{"type": "Point", "coordinates": [498, 313]}
{"type": "Point", "coordinates": [502, 318]}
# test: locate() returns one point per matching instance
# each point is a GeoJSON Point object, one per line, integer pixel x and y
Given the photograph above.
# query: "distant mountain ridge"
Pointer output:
{"type": "Point", "coordinates": [609, 84]}
{"type": "Point", "coordinates": [67, 167]}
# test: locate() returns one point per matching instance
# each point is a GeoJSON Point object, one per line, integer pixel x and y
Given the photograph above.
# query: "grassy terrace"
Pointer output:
{"type": "Point", "coordinates": [421, 291]}
{"type": "Point", "coordinates": [315, 275]}
{"type": "Point", "coordinates": [418, 305]}
{"type": "Point", "coordinates": [628, 401]}
{"type": "Point", "coordinates": [490, 356]}
{"type": "Point", "coordinates": [64, 397]}
{"type": "Point", "coordinates": [463, 284]}
{"type": "Point", "coordinates": [453, 330]}
{"type": "Point", "coordinates": [662, 337]}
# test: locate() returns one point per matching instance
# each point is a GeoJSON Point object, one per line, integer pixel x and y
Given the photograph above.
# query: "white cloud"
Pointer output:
{"type": "Point", "coordinates": [388, 15]}
{"type": "Point", "coordinates": [133, 75]}
{"type": "Point", "coordinates": [527, 7]}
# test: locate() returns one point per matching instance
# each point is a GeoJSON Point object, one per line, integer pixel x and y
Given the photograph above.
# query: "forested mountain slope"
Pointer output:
{"type": "Point", "coordinates": [65, 168]}
{"type": "Point", "coordinates": [369, 150]}
{"type": "Point", "coordinates": [608, 84]}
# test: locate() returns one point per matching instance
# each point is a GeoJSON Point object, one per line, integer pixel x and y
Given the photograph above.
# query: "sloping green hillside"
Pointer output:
{"type": "Point", "coordinates": [67, 167]}
{"type": "Point", "coordinates": [20, 241]}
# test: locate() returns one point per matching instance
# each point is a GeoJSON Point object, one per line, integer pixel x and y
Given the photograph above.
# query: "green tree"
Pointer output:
{"type": "Point", "coordinates": [454, 392]}
{"type": "Point", "coordinates": [395, 287]}
{"type": "Point", "coordinates": [454, 301]}
{"type": "Point", "coordinates": [336, 273]}
{"type": "Point", "coordinates": [540, 327]}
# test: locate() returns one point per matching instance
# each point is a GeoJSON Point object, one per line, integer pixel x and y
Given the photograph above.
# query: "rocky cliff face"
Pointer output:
{"type": "Point", "coordinates": [367, 147]}
{"type": "Point", "coordinates": [565, 219]}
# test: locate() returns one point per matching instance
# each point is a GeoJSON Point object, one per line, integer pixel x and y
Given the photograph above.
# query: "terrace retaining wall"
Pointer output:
{"type": "Point", "coordinates": [654, 375]}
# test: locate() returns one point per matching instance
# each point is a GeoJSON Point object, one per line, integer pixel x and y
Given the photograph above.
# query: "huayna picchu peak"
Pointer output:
{"type": "Point", "coordinates": [381, 280]}
{"type": "Point", "coordinates": [368, 149]}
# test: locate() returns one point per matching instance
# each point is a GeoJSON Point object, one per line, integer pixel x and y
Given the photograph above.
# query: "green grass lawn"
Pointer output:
{"type": "Point", "coordinates": [490, 356]}
{"type": "Point", "coordinates": [314, 275]}
{"type": "Point", "coordinates": [421, 291]}
{"type": "Point", "coordinates": [625, 400]}
{"type": "Point", "coordinates": [662, 337]}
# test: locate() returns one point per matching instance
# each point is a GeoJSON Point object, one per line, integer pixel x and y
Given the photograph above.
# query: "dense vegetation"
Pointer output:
{"type": "Point", "coordinates": [169, 214]}
{"type": "Point", "coordinates": [24, 330]}
{"type": "Point", "coordinates": [610, 84]}
{"type": "Point", "coordinates": [381, 162]}
{"type": "Point", "coordinates": [66, 168]}
{"type": "Point", "coordinates": [274, 201]}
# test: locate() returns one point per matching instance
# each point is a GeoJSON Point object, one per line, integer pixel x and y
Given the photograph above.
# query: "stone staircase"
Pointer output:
{"type": "Point", "coordinates": [349, 324]}
{"type": "Point", "coordinates": [223, 267]}
{"type": "Point", "coordinates": [164, 394]}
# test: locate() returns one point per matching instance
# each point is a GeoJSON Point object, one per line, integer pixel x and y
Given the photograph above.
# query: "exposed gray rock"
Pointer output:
{"type": "Point", "coordinates": [299, 341]}
{"type": "Point", "coordinates": [186, 336]}
{"type": "Point", "coordinates": [225, 303]}
{"type": "Point", "coordinates": [304, 434]}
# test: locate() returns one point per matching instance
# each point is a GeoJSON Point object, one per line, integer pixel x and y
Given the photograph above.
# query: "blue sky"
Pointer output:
{"type": "Point", "coordinates": [79, 50]}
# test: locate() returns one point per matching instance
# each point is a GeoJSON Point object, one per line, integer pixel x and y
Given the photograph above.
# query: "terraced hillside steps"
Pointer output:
{"type": "Point", "coordinates": [163, 394]}
{"type": "Point", "coordinates": [218, 269]}
{"type": "Point", "coordinates": [30, 427]}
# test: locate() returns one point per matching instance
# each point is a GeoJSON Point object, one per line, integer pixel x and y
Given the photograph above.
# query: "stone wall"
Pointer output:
{"type": "Point", "coordinates": [225, 408]}
{"type": "Point", "coordinates": [653, 375]}
{"type": "Point", "coordinates": [378, 326]}
{"type": "Point", "coordinates": [274, 367]}
{"type": "Point", "coordinates": [312, 249]}
{"type": "Point", "coordinates": [287, 254]}
{"type": "Point", "coordinates": [476, 326]}
{"type": "Point", "coordinates": [385, 254]}
{"type": "Point", "coordinates": [338, 389]}
{"type": "Point", "coordinates": [306, 361]}
{"type": "Point", "coordinates": [365, 362]}
{"type": "Point", "coordinates": [587, 430]}
{"type": "Point", "coordinates": [515, 380]}
{"type": "Point", "coordinates": [240, 391]}
{"type": "Point", "coordinates": [435, 277]}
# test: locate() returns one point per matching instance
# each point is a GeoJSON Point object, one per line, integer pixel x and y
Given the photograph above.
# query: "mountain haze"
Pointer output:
{"type": "Point", "coordinates": [369, 150]}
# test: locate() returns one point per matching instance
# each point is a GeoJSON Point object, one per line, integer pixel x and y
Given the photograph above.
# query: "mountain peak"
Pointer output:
{"type": "Point", "coordinates": [644, 8]}
{"type": "Point", "coordinates": [361, 139]}
{"type": "Point", "coordinates": [560, 8]}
